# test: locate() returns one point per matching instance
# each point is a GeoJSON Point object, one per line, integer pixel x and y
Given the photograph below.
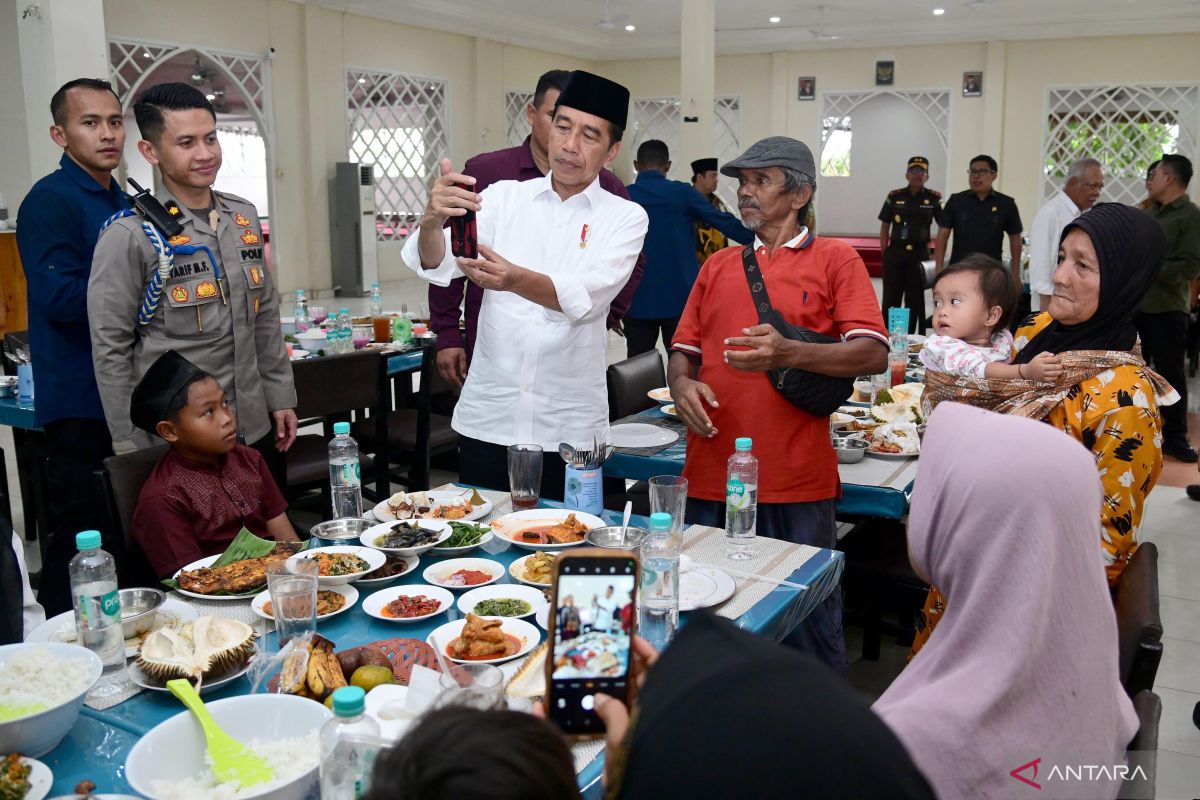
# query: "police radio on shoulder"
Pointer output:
{"type": "Point", "coordinates": [153, 210]}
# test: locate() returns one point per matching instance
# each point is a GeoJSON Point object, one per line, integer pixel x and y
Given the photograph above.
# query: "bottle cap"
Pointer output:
{"type": "Point", "coordinates": [660, 521]}
{"type": "Point", "coordinates": [346, 311]}
{"type": "Point", "coordinates": [374, 286]}
{"type": "Point", "coordinates": [341, 427]}
{"type": "Point", "coordinates": [87, 540]}
{"type": "Point", "coordinates": [349, 701]}
{"type": "Point", "coordinates": [743, 443]}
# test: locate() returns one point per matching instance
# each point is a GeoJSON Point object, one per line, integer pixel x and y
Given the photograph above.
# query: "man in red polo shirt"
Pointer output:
{"type": "Point", "coordinates": [720, 357]}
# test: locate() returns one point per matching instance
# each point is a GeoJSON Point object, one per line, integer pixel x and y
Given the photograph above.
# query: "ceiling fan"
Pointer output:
{"type": "Point", "coordinates": [609, 22]}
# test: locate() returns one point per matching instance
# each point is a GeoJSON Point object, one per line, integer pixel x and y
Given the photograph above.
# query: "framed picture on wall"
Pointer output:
{"type": "Point", "coordinates": [972, 84]}
{"type": "Point", "coordinates": [807, 88]}
{"type": "Point", "coordinates": [885, 73]}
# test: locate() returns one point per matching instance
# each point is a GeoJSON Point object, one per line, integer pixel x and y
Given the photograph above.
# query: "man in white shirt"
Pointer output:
{"type": "Point", "coordinates": [1085, 179]}
{"type": "Point", "coordinates": [554, 251]}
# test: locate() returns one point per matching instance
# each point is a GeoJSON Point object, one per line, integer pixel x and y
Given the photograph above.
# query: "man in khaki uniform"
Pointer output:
{"type": "Point", "coordinates": [218, 308]}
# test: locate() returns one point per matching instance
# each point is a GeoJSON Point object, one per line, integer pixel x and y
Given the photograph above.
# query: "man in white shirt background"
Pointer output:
{"type": "Point", "coordinates": [1085, 179]}
{"type": "Point", "coordinates": [554, 251]}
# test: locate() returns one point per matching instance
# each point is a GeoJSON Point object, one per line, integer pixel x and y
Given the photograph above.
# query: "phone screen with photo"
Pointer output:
{"type": "Point", "coordinates": [593, 624]}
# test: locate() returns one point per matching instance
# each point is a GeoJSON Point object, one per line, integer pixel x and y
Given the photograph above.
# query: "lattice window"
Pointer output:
{"type": "Point", "coordinates": [657, 118]}
{"type": "Point", "coordinates": [1125, 127]}
{"type": "Point", "coordinates": [516, 121]}
{"type": "Point", "coordinates": [727, 143]}
{"type": "Point", "coordinates": [660, 118]}
{"type": "Point", "coordinates": [399, 124]}
{"type": "Point", "coordinates": [836, 111]}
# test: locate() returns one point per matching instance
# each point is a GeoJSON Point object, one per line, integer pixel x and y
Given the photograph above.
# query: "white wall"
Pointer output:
{"type": "Point", "coordinates": [15, 176]}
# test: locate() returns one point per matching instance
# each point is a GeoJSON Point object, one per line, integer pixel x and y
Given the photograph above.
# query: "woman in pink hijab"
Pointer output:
{"type": "Point", "coordinates": [1023, 664]}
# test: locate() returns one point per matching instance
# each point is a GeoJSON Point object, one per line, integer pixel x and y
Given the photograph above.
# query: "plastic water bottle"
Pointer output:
{"type": "Point", "coordinates": [741, 500]}
{"type": "Point", "coordinates": [98, 611]}
{"type": "Point", "coordinates": [345, 331]}
{"type": "Point", "coordinates": [349, 743]}
{"type": "Point", "coordinates": [658, 595]}
{"type": "Point", "coordinates": [376, 301]}
{"type": "Point", "coordinates": [301, 312]}
{"type": "Point", "coordinates": [345, 477]}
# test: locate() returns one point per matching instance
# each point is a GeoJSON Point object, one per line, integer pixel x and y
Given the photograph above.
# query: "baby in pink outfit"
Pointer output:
{"type": "Point", "coordinates": [972, 303]}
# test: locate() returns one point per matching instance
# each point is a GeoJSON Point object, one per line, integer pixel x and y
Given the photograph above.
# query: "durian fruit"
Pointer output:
{"type": "Point", "coordinates": [908, 393]}
{"type": "Point", "coordinates": [529, 682]}
{"type": "Point", "coordinates": [889, 412]}
{"type": "Point", "coordinates": [206, 646]}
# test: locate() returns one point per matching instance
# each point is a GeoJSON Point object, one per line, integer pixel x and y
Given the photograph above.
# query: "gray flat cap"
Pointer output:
{"type": "Point", "coordinates": [774, 151]}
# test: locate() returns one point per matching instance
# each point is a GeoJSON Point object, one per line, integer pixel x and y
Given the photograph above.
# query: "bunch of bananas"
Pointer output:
{"type": "Point", "coordinates": [312, 670]}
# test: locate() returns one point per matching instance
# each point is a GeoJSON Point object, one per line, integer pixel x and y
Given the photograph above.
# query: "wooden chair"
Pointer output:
{"type": "Point", "coordinates": [116, 488]}
{"type": "Point", "coordinates": [1139, 622]}
{"type": "Point", "coordinates": [1143, 750]}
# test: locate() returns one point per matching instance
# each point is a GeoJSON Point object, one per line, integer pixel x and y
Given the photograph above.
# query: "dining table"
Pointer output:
{"type": "Point", "coordinates": [97, 746]}
{"type": "Point", "coordinates": [878, 486]}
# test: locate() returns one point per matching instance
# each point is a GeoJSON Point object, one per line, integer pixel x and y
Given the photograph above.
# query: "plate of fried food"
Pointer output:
{"type": "Point", "coordinates": [534, 570]}
{"type": "Point", "coordinates": [464, 504]}
{"type": "Point", "coordinates": [407, 537]}
{"type": "Point", "coordinates": [24, 778]}
{"type": "Point", "coordinates": [393, 568]}
{"type": "Point", "coordinates": [545, 528]}
{"type": "Point", "coordinates": [342, 564]}
{"type": "Point", "coordinates": [484, 640]}
{"type": "Point", "coordinates": [331, 601]}
{"type": "Point", "coordinates": [408, 603]}
{"type": "Point", "coordinates": [239, 580]}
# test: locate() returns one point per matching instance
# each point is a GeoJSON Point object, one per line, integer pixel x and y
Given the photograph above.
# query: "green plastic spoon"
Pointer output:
{"type": "Point", "coordinates": [232, 760]}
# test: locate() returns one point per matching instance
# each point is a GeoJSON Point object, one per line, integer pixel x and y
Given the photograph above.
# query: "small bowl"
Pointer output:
{"type": "Point", "coordinates": [850, 451]}
{"type": "Point", "coordinates": [38, 734]}
{"type": "Point", "coordinates": [613, 538]}
{"type": "Point", "coordinates": [143, 605]}
{"type": "Point", "coordinates": [8, 386]}
{"type": "Point", "coordinates": [340, 531]}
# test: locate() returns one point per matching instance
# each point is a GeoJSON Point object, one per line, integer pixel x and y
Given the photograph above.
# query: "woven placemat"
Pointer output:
{"type": "Point", "coordinates": [772, 558]}
{"type": "Point", "coordinates": [667, 423]}
{"type": "Point", "coordinates": [102, 703]}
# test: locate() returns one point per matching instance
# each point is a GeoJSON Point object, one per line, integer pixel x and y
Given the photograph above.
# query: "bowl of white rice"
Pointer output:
{"type": "Point", "coordinates": [171, 761]}
{"type": "Point", "coordinates": [42, 686]}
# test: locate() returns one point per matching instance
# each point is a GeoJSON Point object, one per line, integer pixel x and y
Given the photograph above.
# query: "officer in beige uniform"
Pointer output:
{"type": "Point", "coordinates": [217, 306]}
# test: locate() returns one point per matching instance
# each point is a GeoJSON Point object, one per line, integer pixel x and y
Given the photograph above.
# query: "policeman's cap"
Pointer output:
{"type": "Point", "coordinates": [918, 162]}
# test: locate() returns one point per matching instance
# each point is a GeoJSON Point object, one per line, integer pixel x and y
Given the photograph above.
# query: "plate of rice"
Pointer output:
{"type": "Point", "coordinates": [42, 686]}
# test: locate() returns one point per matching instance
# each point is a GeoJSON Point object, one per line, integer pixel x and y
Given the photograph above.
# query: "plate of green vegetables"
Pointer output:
{"type": "Point", "coordinates": [464, 536]}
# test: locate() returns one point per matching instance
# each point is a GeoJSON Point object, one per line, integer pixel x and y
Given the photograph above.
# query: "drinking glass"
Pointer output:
{"type": "Point", "coordinates": [317, 314]}
{"type": "Point", "coordinates": [293, 587]}
{"type": "Point", "coordinates": [524, 475]}
{"type": "Point", "coordinates": [668, 494]}
{"type": "Point", "coordinates": [472, 686]}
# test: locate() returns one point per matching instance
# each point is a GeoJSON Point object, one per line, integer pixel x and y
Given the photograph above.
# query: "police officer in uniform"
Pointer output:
{"type": "Point", "coordinates": [906, 217]}
{"type": "Point", "coordinates": [218, 305]}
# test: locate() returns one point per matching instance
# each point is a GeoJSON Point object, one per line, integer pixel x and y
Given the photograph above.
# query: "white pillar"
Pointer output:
{"type": "Point", "coordinates": [59, 40]}
{"type": "Point", "coordinates": [697, 65]}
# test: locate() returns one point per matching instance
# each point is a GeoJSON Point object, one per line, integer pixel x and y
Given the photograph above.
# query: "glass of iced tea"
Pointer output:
{"type": "Point", "coordinates": [899, 366]}
{"type": "Point", "coordinates": [524, 475]}
{"type": "Point", "coordinates": [383, 329]}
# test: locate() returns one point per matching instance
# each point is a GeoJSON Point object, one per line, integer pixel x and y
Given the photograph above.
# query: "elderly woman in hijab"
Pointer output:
{"type": "Point", "coordinates": [1024, 662]}
{"type": "Point", "coordinates": [1107, 398]}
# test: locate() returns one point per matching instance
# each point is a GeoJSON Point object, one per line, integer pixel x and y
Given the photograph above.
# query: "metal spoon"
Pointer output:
{"type": "Point", "coordinates": [625, 520]}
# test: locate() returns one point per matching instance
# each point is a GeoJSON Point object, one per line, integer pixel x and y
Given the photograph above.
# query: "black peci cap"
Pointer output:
{"type": "Point", "coordinates": [152, 397]}
{"type": "Point", "coordinates": [595, 95]}
{"type": "Point", "coordinates": [704, 165]}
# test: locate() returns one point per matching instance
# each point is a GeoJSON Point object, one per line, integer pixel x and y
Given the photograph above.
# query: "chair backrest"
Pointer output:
{"type": "Point", "coordinates": [1139, 623]}
{"type": "Point", "coordinates": [336, 384]}
{"type": "Point", "coordinates": [630, 380]}
{"type": "Point", "coordinates": [1142, 752]}
{"type": "Point", "coordinates": [116, 490]}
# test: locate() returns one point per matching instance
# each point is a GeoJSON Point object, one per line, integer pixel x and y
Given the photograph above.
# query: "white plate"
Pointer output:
{"type": "Point", "coordinates": [348, 592]}
{"type": "Point", "coordinates": [542, 615]}
{"type": "Point", "coordinates": [838, 420]}
{"type": "Point", "coordinates": [871, 452]}
{"type": "Point", "coordinates": [517, 569]}
{"type": "Point", "coordinates": [374, 604]}
{"type": "Point", "coordinates": [669, 410]}
{"type": "Point", "coordinates": [298, 354]}
{"type": "Point", "coordinates": [208, 561]}
{"type": "Point", "coordinates": [40, 779]}
{"type": "Point", "coordinates": [146, 682]}
{"type": "Point", "coordinates": [508, 525]}
{"type": "Point", "coordinates": [384, 514]}
{"type": "Point", "coordinates": [436, 572]}
{"type": "Point", "coordinates": [457, 551]}
{"type": "Point", "coordinates": [703, 587]}
{"type": "Point", "coordinates": [535, 598]}
{"type": "Point", "coordinates": [172, 613]}
{"type": "Point", "coordinates": [370, 584]}
{"type": "Point", "coordinates": [386, 703]}
{"type": "Point", "coordinates": [374, 559]}
{"type": "Point", "coordinates": [382, 529]}
{"type": "Point", "coordinates": [639, 434]}
{"type": "Point", "coordinates": [662, 395]}
{"type": "Point", "coordinates": [525, 633]}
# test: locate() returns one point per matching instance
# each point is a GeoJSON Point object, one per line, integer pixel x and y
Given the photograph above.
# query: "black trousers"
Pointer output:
{"type": "Point", "coordinates": [904, 278]}
{"type": "Point", "coordinates": [1164, 346]}
{"type": "Point", "coordinates": [266, 448]}
{"type": "Point", "coordinates": [641, 335]}
{"type": "Point", "coordinates": [78, 448]}
{"type": "Point", "coordinates": [486, 464]}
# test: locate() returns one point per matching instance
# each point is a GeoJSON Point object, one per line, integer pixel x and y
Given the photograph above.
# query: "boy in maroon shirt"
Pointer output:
{"type": "Point", "coordinates": [208, 486]}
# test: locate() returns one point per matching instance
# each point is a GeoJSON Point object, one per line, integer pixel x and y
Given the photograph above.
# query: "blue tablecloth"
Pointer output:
{"type": "Point", "coordinates": [97, 746]}
{"type": "Point", "coordinates": [15, 415]}
{"type": "Point", "coordinates": [860, 499]}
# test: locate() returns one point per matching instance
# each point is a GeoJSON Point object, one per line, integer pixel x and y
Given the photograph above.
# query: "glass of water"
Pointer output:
{"type": "Point", "coordinates": [293, 587]}
{"type": "Point", "coordinates": [473, 686]}
{"type": "Point", "coordinates": [658, 594]}
{"type": "Point", "coordinates": [668, 494]}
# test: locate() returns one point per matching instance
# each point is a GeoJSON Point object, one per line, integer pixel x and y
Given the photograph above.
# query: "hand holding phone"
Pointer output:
{"type": "Point", "coordinates": [464, 241]}
{"type": "Point", "coordinates": [592, 625]}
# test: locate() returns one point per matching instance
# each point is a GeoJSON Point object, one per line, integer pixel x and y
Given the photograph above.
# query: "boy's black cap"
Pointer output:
{"type": "Point", "coordinates": [151, 398]}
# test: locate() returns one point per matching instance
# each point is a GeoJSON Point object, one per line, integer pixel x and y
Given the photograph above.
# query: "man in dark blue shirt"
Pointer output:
{"type": "Point", "coordinates": [57, 227]}
{"type": "Point", "coordinates": [670, 247]}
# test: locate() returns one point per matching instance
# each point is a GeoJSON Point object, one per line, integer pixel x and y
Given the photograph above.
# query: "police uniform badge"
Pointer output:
{"type": "Point", "coordinates": [241, 221]}
{"type": "Point", "coordinates": [205, 290]}
{"type": "Point", "coordinates": [249, 237]}
{"type": "Point", "coordinates": [256, 279]}
{"type": "Point", "coordinates": [256, 301]}
{"type": "Point", "coordinates": [175, 241]}
{"type": "Point", "coordinates": [179, 294]}
{"type": "Point", "coordinates": [173, 208]}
